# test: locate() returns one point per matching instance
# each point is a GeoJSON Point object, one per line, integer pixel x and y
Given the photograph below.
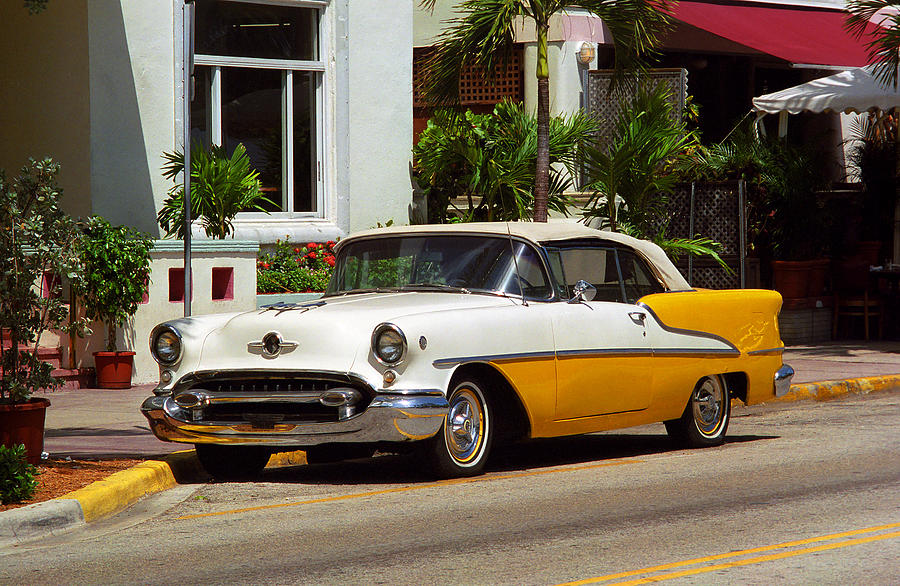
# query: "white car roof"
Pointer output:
{"type": "Point", "coordinates": [540, 233]}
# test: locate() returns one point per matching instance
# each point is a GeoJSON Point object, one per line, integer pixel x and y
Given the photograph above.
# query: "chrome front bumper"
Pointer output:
{"type": "Point", "coordinates": [388, 418]}
{"type": "Point", "coordinates": [783, 380]}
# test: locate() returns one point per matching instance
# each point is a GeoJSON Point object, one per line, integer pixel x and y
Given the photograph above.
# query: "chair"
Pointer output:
{"type": "Point", "coordinates": [854, 297]}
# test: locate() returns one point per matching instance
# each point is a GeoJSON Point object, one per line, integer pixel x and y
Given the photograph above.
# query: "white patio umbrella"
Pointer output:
{"type": "Point", "coordinates": [856, 90]}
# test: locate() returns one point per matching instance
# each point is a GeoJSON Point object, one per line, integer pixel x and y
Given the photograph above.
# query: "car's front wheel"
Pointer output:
{"type": "Point", "coordinates": [232, 462]}
{"type": "Point", "coordinates": [462, 446]}
{"type": "Point", "coordinates": [706, 416]}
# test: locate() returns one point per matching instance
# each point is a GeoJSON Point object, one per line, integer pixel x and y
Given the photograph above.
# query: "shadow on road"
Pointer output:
{"type": "Point", "coordinates": [516, 458]}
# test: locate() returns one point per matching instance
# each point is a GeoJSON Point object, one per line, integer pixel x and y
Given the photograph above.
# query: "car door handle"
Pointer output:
{"type": "Point", "coordinates": [637, 316]}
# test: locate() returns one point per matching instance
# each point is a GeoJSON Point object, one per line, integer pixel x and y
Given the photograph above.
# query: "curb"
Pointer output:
{"type": "Point", "coordinates": [111, 495]}
{"type": "Point", "coordinates": [825, 390]}
{"type": "Point", "coordinates": [117, 492]}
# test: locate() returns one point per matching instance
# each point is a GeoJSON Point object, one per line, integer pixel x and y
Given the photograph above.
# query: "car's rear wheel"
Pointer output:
{"type": "Point", "coordinates": [232, 462]}
{"type": "Point", "coordinates": [706, 416]}
{"type": "Point", "coordinates": [462, 446]}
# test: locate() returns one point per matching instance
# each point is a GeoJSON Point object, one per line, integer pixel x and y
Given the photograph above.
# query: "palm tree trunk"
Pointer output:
{"type": "Point", "coordinates": [542, 168]}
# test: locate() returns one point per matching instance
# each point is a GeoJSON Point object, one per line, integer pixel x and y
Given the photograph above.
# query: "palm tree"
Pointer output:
{"type": "Point", "coordinates": [483, 35]}
{"type": "Point", "coordinates": [883, 40]}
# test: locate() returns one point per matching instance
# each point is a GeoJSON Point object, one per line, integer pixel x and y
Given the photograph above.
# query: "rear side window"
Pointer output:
{"type": "Point", "coordinates": [636, 276]}
{"type": "Point", "coordinates": [618, 275]}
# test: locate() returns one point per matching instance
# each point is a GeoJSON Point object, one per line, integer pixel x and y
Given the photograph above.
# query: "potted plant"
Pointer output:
{"type": "Point", "coordinates": [116, 261]}
{"type": "Point", "coordinates": [36, 239]}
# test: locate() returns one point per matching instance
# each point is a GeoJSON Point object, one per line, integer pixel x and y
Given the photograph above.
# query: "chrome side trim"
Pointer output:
{"type": "Point", "coordinates": [783, 380]}
{"type": "Point", "coordinates": [448, 362]}
{"type": "Point", "coordinates": [696, 352]}
{"type": "Point", "coordinates": [767, 351]}
{"type": "Point", "coordinates": [604, 352]}
{"type": "Point", "coordinates": [695, 333]}
{"type": "Point", "coordinates": [563, 354]}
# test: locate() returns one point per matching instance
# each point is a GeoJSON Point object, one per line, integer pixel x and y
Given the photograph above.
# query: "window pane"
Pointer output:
{"type": "Point", "coordinates": [251, 115]}
{"type": "Point", "coordinates": [597, 266]}
{"type": "Point", "coordinates": [638, 279]}
{"type": "Point", "coordinates": [472, 262]}
{"type": "Point", "coordinates": [304, 142]}
{"type": "Point", "coordinates": [238, 29]}
{"type": "Point", "coordinates": [201, 109]}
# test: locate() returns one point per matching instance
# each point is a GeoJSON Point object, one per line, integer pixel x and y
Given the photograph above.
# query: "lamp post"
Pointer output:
{"type": "Point", "coordinates": [187, 78]}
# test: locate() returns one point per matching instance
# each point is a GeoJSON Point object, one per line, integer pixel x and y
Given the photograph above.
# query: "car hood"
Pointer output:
{"type": "Point", "coordinates": [329, 334]}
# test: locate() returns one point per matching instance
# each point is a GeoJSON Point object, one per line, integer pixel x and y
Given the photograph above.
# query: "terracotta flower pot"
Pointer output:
{"type": "Point", "coordinates": [818, 275]}
{"type": "Point", "coordinates": [791, 278]}
{"type": "Point", "coordinates": [114, 369]}
{"type": "Point", "coordinates": [23, 423]}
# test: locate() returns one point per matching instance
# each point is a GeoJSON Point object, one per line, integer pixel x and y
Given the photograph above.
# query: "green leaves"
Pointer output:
{"type": "Point", "coordinates": [36, 239]}
{"type": "Point", "coordinates": [630, 176]}
{"type": "Point", "coordinates": [882, 38]}
{"type": "Point", "coordinates": [116, 261]}
{"type": "Point", "coordinates": [488, 160]}
{"type": "Point", "coordinates": [221, 186]}
{"type": "Point", "coordinates": [17, 476]}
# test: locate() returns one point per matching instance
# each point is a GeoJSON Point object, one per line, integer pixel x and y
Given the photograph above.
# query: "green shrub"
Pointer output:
{"type": "Point", "coordinates": [17, 476]}
{"type": "Point", "coordinates": [295, 268]}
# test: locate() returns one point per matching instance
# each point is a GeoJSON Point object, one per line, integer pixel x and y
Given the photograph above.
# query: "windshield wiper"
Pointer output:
{"type": "Point", "coordinates": [433, 286]}
{"type": "Point", "coordinates": [368, 290]}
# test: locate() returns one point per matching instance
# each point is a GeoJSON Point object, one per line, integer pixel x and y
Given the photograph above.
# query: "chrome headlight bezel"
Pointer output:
{"type": "Point", "coordinates": [381, 340]}
{"type": "Point", "coordinates": [174, 336]}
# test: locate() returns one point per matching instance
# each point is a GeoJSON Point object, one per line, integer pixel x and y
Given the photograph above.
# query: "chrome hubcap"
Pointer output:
{"type": "Point", "coordinates": [709, 406]}
{"type": "Point", "coordinates": [465, 425]}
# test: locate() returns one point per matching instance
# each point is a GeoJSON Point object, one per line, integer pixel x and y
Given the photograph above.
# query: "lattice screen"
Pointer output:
{"type": "Point", "coordinates": [606, 106]}
{"type": "Point", "coordinates": [506, 83]}
{"type": "Point", "coordinates": [717, 214]}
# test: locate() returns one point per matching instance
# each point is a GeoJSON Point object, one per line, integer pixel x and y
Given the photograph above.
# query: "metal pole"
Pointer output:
{"type": "Point", "coordinates": [742, 231]}
{"type": "Point", "coordinates": [188, 61]}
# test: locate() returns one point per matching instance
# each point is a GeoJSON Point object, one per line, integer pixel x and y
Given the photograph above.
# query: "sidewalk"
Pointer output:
{"type": "Point", "coordinates": [106, 424]}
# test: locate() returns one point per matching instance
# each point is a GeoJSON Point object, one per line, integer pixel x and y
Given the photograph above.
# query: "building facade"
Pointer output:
{"type": "Point", "coordinates": [318, 91]}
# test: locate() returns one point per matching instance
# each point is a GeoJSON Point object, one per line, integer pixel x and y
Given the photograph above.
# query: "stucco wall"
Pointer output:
{"type": "Point", "coordinates": [132, 107]}
{"type": "Point", "coordinates": [238, 255]}
{"type": "Point", "coordinates": [44, 101]}
{"type": "Point", "coordinates": [380, 111]}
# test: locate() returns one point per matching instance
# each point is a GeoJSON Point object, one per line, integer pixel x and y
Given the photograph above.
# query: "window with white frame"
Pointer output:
{"type": "Point", "coordinates": [259, 79]}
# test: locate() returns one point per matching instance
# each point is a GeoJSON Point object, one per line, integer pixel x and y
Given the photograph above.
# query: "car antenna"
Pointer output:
{"type": "Point", "coordinates": [512, 249]}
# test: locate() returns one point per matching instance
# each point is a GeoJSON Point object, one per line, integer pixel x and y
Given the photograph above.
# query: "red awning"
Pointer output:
{"type": "Point", "coordinates": [800, 35]}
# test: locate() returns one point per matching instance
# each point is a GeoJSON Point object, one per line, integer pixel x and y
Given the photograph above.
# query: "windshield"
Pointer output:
{"type": "Point", "coordinates": [455, 263]}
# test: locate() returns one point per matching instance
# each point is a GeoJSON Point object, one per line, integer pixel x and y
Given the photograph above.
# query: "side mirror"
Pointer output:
{"type": "Point", "coordinates": [583, 291]}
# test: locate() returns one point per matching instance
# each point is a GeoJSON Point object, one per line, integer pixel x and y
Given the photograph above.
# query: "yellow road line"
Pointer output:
{"type": "Point", "coordinates": [416, 487]}
{"type": "Point", "coordinates": [733, 554]}
{"type": "Point", "coordinates": [760, 559]}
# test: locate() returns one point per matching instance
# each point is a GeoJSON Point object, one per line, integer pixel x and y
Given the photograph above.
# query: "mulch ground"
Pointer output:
{"type": "Point", "coordinates": [60, 477]}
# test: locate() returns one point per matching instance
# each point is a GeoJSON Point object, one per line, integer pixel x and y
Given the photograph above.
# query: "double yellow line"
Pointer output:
{"type": "Point", "coordinates": [838, 540]}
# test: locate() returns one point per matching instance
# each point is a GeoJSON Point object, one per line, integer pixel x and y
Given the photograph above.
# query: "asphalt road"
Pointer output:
{"type": "Point", "coordinates": [805, 493]}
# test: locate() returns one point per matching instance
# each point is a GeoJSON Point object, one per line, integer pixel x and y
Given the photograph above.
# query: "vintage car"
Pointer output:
{"type": "Point", "coordinates": [448, 338]}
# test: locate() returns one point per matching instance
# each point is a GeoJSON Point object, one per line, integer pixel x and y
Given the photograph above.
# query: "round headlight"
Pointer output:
{"type": "Point", "coordinates": [166, 345]}
{"type": "Point", "coordinates": [388, 344]}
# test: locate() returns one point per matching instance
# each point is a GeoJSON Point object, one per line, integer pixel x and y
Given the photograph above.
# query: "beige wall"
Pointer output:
{"type": "Point", "coordinates": [380, 112]}
{"type": "Point", "coordinates": [44, 99]}
{"type": "Point", "coordinates": [132, 89]}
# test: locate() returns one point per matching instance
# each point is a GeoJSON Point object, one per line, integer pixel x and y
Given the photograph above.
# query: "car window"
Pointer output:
{"type": "Point", "coordinates": [597, 266]}
{"type": "Point", "coordinates": [601, 267]}
{"type": "Point", "coordinates": [473, 262]}
{"type": "Point", "coordinates": [638, 279]}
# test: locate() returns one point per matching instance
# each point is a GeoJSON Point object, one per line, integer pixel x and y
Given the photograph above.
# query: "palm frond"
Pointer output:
{"type": "Point", "coordinates": [882, 40]}
{"type": "Point", "coordinates": [482, 35]}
